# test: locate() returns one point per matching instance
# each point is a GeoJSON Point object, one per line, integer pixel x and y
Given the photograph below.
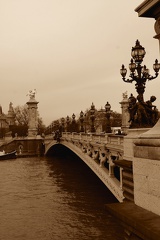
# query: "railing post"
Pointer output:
{"type": "Point", "coordinates": [80, 134]}
{"type": "Point", "coordinates": [111, 170]}
{"type": "Point", "coordinates": [111, 167]}
{"type": "Point", "coordinates": [103, 156]}
{"type": "Point", "coordinates": [91, 136]}
{"type": "Point", "coordinates": [121, 177]}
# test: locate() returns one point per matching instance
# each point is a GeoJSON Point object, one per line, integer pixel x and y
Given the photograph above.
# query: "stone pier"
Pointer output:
{"type": "Point", "coordinates": [32, 115]}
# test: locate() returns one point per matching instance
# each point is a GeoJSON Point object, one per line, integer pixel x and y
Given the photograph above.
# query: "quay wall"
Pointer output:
{"type": "Point", "coordinates": [24, 147]}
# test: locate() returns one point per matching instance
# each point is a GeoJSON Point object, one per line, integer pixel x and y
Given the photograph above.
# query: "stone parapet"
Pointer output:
{"type": "Point", "coordinates": [129, 140]}
{"type": "Point", "coordinates": [147, 152]}
{"type": "Point", "coordinates": [147, 145]}
{"type": "Point", "coordinates": [146, 168]}
{"type": "Point", "coordinates": [146, 184]}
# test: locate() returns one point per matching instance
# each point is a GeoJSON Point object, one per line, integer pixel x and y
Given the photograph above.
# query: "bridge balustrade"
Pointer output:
{"type": "Point", "coordinates": [96, 138]}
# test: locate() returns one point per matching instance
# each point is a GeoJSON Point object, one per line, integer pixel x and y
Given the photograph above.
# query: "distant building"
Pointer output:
{"type": "Point", "coordinates": [6, 120]}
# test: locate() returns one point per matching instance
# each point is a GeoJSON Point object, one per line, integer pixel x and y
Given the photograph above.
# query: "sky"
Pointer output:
{"type": "Point", "coordinates": [71, 52]}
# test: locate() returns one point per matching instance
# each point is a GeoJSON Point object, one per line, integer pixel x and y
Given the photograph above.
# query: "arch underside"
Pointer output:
{"type": "Point", "coordinates": [102, 172]}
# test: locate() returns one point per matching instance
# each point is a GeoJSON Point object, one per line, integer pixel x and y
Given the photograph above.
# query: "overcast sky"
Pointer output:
{"type": "Point", "coordinates": [71, 51]}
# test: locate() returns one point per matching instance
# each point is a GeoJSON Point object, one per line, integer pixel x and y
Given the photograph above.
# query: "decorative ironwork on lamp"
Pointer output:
{"type": "Point", "coordinates": [139, 74]}
{"type": "Point", "coordinates": [142, 114]}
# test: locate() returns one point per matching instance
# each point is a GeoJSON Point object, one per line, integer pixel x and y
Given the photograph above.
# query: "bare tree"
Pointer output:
{"type": "Point", "coordinates": [21, 117]}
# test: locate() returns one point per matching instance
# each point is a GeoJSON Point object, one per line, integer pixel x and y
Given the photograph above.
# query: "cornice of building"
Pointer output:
{"type": "Point", "coordinates": [149, 8]}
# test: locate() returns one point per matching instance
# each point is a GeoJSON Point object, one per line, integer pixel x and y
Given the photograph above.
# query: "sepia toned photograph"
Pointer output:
{"type": "Point", "coordinates": [79, 120]}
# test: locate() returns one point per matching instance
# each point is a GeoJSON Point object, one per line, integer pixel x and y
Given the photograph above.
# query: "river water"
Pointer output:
{"type": "Point", "coordinates": [53, 199]}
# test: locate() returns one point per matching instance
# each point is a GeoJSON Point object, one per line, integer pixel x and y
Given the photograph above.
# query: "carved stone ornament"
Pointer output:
{"type": "Point", "coordinates": [157, 26]}
{"type": "Point", "coordinates": [125, 95]}
{"type": "Point", "coordinates": [31, 94]}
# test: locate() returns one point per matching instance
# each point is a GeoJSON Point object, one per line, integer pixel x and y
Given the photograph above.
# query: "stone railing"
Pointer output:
{"type": "Point", "coordinates": [112, 139]}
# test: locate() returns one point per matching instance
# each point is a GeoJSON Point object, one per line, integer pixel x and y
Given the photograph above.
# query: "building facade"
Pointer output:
{"type": "Point", "coordinates": [6, 120]}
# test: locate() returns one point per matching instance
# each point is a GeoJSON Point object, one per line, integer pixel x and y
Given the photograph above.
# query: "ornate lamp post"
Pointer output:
{"type": "Point", "coordinates": [67, 123]}
{"type": "Point", "coordinates": [85, 122]}
{"type": "Point", "coordinates": [49, 129]}
{"type": "Point", "coordinates": [108, 115]}
{"type": "Point", "coordinates": [81, 118]}
{"type": "Point", "coordinates": [52, 124]}
{"type": "Point", "coordinates": [139, 74]}
{"type": "Point", "coordinates": [57, 125]}
{"type": "Point", "coordinates": [73, 117]}
{"type": "Point", "coordinates": [142, 114]}
{"type": "Point", "coordinates": [62, 122]}
{"type": "Point", "coordinates": [92, 117]}
{"type": "Point", "coordinates": [73, 122]}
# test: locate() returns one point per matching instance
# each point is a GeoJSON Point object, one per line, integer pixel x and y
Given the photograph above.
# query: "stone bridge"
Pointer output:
{"type": "Point", "coordinates": [100, 153]}
{"type": "Point", "coordinates": [103, 153]}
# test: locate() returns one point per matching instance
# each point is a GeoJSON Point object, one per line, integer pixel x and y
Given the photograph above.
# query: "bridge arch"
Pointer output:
{"type": "Point", "coordinates": [103, 174]}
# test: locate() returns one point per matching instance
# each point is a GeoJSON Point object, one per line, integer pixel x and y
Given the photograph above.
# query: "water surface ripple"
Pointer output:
{"type": "Point", "coordinates": [54, 199]}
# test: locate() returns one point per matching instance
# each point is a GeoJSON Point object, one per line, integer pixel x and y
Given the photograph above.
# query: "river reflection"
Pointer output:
{"type": "Point", "coordinates": [54, 198]}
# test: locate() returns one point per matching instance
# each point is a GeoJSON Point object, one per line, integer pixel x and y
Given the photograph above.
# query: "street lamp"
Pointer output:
{"type": "Point", "coordinates": [62, 123]}
{"type": "Point", "coordinates": [73, 123]}
{"type": "Point", "coordinates": [142, 114]}
{"type": "Point", "coordinates": [57, 125]}
{"type": "Point", "coordinates": [81, 118]}
{"type": "Point", "coordinates": [67, 123]}
{"type": "Point", "coordinates": [139, 74]}
{"type": "Point", "coordinates": [108, 115]}
{"type": "Point", "coordinates": [73, 117]}
{"type": "Point", "coordinates": [92, 117]}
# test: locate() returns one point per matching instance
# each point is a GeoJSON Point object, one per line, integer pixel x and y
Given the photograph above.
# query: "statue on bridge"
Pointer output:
{"type": "Point", "coordinates": [57, 136]}
{"type": "Point", "coordinates": [31, 94]}
{"type": "Point", "coordinates": [142, 114]}
{"type": "Point", "coordinates": [11, 107]}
